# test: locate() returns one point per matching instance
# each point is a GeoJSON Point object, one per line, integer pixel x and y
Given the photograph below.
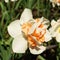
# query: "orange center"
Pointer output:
{"type": "Point", "coordinates": [38, 36]}
{"type": "Point", "coordinates": [58, 1]}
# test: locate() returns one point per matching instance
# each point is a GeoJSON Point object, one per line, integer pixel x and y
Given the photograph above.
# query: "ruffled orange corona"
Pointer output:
{"type": "Point", "coordinates": [39, 36]}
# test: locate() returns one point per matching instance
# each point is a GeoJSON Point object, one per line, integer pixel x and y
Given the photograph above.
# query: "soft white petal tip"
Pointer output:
{"type": "Point", "coordinates": [14, 28]}
{"type": "Point", "coordinates": [19, 44]}
{"type": "Point", "coordinates": [35, 51]}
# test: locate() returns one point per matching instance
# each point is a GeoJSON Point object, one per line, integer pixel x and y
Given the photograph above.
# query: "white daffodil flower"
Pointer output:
{"type": "Point", "coordinates": [29, 32]}
{"type": "Point", "coordinates": [54, 2]}
{"type": "Point", "coordinates": [8, 1]}
{"type": "Point", "coordinates": [55, 29]}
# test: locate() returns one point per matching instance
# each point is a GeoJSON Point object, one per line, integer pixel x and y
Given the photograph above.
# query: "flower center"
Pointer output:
{"type": "Point", "coordinates": [58, 1]}
{"type": "Point", "coordinates": [37, 36]}
{"type": "Point", "coordinates": [58, 30]}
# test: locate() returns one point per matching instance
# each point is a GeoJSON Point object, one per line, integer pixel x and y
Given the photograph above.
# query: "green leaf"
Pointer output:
{"type": "Point", "coordinates": [5, 54]}
{"type": "Point", "coordinates": [39, 57]}
{"type": "Point", "coordinates": [17, 5]}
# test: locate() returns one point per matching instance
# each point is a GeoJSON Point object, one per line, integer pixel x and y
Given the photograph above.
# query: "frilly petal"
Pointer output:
{"type": "Point", "coordinates": [26, 16]}
{"type": "Point", "coordinates": [48, 36]}
{"type": "Point", "coordinates": [58, 20]}
{"type": "Point", "coordinates": [58, 4]}
{"type": "Point", "coordinates": [58, 37]}
{"type": "Point", "coordinates": [19, 44]}
{"type": "Point", "coordinates": [32, 28]}
{"type": "Point", "coordinates": [53, 22]}
{"type": "Point", "coordinates": [14, 28]}
{"type": "Point", "coordinates": [35, 51]}
{"type": "Point", "coordinates": [45, 21]}
{"type": "Point", "coordinates": [53, 4]}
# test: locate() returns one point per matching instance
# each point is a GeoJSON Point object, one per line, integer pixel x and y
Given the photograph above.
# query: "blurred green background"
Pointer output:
{"type": "Point", "coordinates": [11, 11]}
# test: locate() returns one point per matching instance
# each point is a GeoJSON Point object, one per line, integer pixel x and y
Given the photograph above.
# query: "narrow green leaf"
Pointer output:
{"type": "Point", "coordinates": [39, 57]}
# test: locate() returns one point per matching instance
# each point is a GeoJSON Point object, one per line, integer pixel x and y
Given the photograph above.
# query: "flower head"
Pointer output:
{"type": "Point", "coordinates": [54, 2]}
{"type": "Point", "coordinates": [55, 29]}
{"type": "Point", "coordinates": [29, 32]}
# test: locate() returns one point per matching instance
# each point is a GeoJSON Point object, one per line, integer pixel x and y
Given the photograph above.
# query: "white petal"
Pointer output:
{"type": "Point", "coordinates": [14, 28]}
{"type": "Point", "coordinates": [34, 26]}
{"type": "Point", "coordinates": [45, 21]}
{"type": "Point", "coordinates": [53, 4]}
{"type": "Point", "coordinates": [19, 44]}
{"type": "Point", "coordinates": [26, 16]}
{"type": "Point", "coordinates": [58, 4]}
{"type": "Point", "coordinates": [6, 1]}
{"type": "Point", "coordinates": [51, 31]}
{"type": "Point", "coordinates": [35, 51]}
{"type": "Point", "coordinates": [42, 18]}
{"type": "Point", "coordinates": [54, 34]}
{"type": "Point", "coordinates": [13, 0]}
{"type": "Point", "coordinates": [47, 36]}
{"type": "Point", "coordinates": [53, 22]}
{"type": "Point", "coordinates": [50, 0]}
{"type": "Point", "coordinates": [58, 37]}
{"type": "Point", "coordinates": [58, 20]}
